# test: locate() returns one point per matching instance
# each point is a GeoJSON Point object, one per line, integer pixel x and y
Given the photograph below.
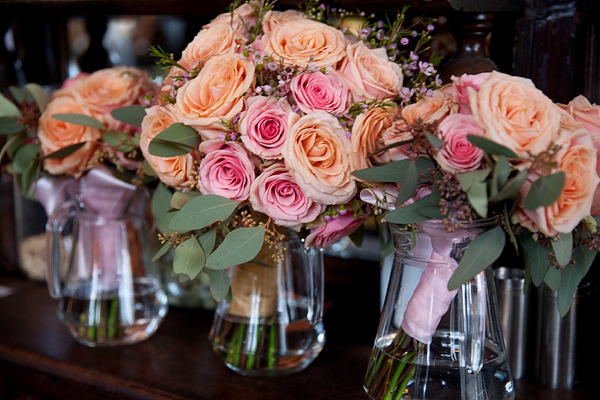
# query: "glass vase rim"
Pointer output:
{"type": "Point", "coordinates": [438, 223]}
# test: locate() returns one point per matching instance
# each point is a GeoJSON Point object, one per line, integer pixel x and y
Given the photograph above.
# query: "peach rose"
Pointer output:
{"type": "Point", "coordinates": [218, 39]}
{"type": "Point", "coordinates": [110, 88]}
{"type": "Point", "coordinates": [366, 136]}
{"type": "Point", "coordinates": [316, 152]}
{"type": "Point", "coordinates": [54, 135]}
{"type": "Point", "coordinates": [215, 93]}
{"type": "Point", "coordinates": [274, 18]}
{"type": "Point", "coordinates": [458, 154]}
{"type": "Point", "coordinates": [515, 114]}
{"type": "Point", "coordinates": [428, 110]}
{"type": "Point", "coordinates": [577, 159]}
{"type": "Point", "coordinates": [241, 16]}
{"type": "Point", "coordinates": [296, 42]}
{"type": "Point", "coordinates": [172, 171]}
{"type": "Point", "coordinates": [369, 74]}
{"type": "Point", "coordinates": [265, 125]}
{"type": "Point", "coordinates": [275, 194]}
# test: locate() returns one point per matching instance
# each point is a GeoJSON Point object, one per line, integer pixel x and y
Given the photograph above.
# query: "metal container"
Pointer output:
{"type": "Point", "coordinates": [560, 341]}
{"type": "Point", "coordinates": [514, 307]}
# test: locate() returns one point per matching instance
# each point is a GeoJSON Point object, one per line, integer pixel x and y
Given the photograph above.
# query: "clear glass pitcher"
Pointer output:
{"type": "Point", "coordinates": [111, 292]}
{"type": "Point", "coordinates": [272, 324]}
{"type": "Point", "coordinates": [433, 343]}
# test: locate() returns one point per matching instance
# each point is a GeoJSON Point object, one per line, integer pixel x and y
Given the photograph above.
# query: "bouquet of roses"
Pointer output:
{"type": "Point", "coordinates": [92, 122]}
{"type": "Point", "coordinates": [492, 145]}
{"type": "Point", "coordinates": [486, 148]}
{"type": "Point", "coordinates": [262, 122]}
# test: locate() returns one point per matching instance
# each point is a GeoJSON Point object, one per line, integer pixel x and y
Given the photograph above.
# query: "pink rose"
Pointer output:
{"type": "Point", "coordinates": [265, 124]}
{"type": "Point", "coordinates": [319, 92]}
{"type": "Point", "coordinates": [468, 81]}
{"type": "Point", "coordinates": [275, 194]}
{"type": "Point", "coordinates": [335, 229]}
{"type": "Point", "coordinates": [577, 159]}
{"type": "Point", "coordinates": [226, 170]}
{"type": "Point", "coordinates": [458, 154]}
{"type": "Point", "coordinates": [369, 74]}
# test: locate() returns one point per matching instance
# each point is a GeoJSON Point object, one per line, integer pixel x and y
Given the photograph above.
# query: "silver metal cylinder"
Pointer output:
{"type": "Point", "coordinates": [514, 305]}
{"type": "Point", "coordinates": [558, 364]}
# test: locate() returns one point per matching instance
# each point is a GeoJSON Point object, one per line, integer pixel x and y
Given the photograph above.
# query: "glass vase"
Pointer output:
{"type": "Point", "coordinates": [433, 343]}
{"type": "Point", "coordinates": [111, 293]}
{"type": "Point", "coordinates": [272, 324]}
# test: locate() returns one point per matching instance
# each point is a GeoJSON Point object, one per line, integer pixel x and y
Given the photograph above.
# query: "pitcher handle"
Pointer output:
{"type": "Point", "coordinates": [54, 230]}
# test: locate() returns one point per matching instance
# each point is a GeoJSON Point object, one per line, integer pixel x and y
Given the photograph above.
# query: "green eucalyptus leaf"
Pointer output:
{"type": "Point", "coordinates": [207, 241]}
{"type": "Point", "coordinates": [563, 248]}
{"type": "Point", "coordinates": [13, 145]}
{"type": "Point", "coordinates": [219, 283]}
{"type": "Point", "coordinates": [477, 196]}
{"type": "Point", "coordinates": [536, 257]}
{"type": "Point", "coordinates": [392, 172]}
{"type": "Point", "coordinates": [189, 258]}
{"type": "Point", "coordinates": [545, 191]}
{"type": "Point", "coordinates": [502, 171]}
{"type": "Point", "coordinates": [25, 157]}
{"type": "Point", "coordinates": [469, 179]}
{"type": "Point", "coordinates": [481, 253]}
{"type": "Point", "coordinates": [147, 168]}
{"type": "Point", "coordinates": [10, 125]}
{"type": "Point", "coordinates": [180, 199]}
{"type": "Point", "coordinates": [162, 251]}
{"type": "Point", "coordinates": [409, 214]}
{"type": "Point", "coordinates": [113, 138]}
{"type": "Point", "coordinates": [491, 147]}
{"type": "Point", "coordinates": [79, 119]}
{"type": "Point", "coordinates": [202, 211]}
{"type": "Point", "coordinates": [39, 95]}
{"type": "Point", "coordinates": [160, 208]}
{"type": "Point", "coordinates": [511, 189]}
{"type": "Point", "coordinates": [240, 245]}
{"type": "Point", "coordinates": [65, 151]}
{"type": "Point", "coordinates": [131, 115]}
{"type": "Point", "coordinates": [358, 236]}
{"type": "Point", "coordinates": [18, 94]}
{"type": "Point", "coordinates": [28, 176]}
{"type": "Point", "coordinates": [434, 141]}
{"type": "Point", "coordinates": [508, 227]}
{"type": "Point", "coordinates": [570, 278]}
{"type": "Point", "coordinates": [553, 277]}
{"type": "Point", "coordinates": [391, 146]}
{"type": "Point", "coordinates": [409, 184]}
{"type": "Point", "coordinates": [178, 139]}
{"type": "Point", "coordinates": [7, 108]}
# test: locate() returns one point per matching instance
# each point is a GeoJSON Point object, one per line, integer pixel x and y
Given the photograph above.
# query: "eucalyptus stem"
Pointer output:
{"type": "Point", "coordinates": [272, 336]}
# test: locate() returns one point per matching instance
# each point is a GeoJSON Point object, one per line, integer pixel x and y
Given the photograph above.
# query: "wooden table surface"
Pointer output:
{"type": "Point", "coordinates": [37, 353]}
